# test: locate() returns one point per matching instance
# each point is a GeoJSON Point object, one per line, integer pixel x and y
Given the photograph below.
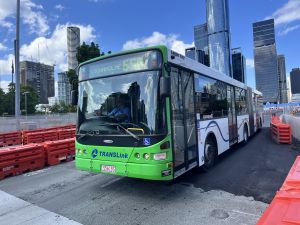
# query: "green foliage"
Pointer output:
{"type": "Point", "coordinates": [32, 99]}
{"type": "Point", "coordinates": [73, 79]}
{"type": "Point", "coordinates": [86, 52]}
{"type": "Point", "coordinates": [7, 100]}
{"type": "Point", "coordinates": [62, 108]}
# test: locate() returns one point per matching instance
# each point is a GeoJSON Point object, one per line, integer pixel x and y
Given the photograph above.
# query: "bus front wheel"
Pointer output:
{"type": "Point", "coordinates": [210, 153]}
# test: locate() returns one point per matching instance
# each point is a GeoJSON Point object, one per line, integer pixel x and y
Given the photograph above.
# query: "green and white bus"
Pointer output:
{"type": "Point", "coordinates": [155, 114]}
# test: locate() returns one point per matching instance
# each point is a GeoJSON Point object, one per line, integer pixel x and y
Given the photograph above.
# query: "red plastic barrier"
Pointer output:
{"type": "Point", "coordinates": [20, 159]}
{"type": "Point", "coordinates": [285, 207]}
{"type": "Point", "coordinates": [67, 133]}
{"type": "Point", "coordinates": [58, 151]}
{"type": "Point", "coordinates": [50, 134]}
{"type": "Point", "coordinates": [280, 132]}
{"type": "Point", "coordinates": [292, 181]}
{"type": "Point", "coordinates": [11, 138]}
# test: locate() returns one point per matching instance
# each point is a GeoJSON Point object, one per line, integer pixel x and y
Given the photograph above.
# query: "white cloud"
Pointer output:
{"type": "Point", "coordinates": [157, 38]}
{"type": "Point", "coordinates": [3, 47]}
{"type": "Point", "coordinates": [288, 13]}
{"type": "Point", "coordinates": [59, 7]}
{"type": "Point", "coordinates": [250, 63]}
{"type": "Point", "coordinates": [288, 30]}
{"type": "Point", "coordinates": [30, 12]}
{"type": "Point", "coordinates": [53, 50]}
{"type": "Point", "coordinates": [4, 85]}
{"type": "Point", "coordinates": [5, 65]}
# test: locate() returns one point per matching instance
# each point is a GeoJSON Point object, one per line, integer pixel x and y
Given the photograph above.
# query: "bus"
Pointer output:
{"type": "Point", "coordinates": [155, 114]}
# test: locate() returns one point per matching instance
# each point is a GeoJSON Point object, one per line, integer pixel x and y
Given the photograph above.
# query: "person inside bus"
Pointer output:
{"type": "Point", "coordinates": [121, 112]}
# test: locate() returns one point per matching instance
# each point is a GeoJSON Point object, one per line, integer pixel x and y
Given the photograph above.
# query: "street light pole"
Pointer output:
{"type": "Point", "coordinates": [17, 71]}
{"type": "Point", "coordinates": [25, 93]}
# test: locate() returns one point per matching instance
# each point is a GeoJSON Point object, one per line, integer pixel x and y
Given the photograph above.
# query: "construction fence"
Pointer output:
{"type": "Point", "coordinates": [30, 122]}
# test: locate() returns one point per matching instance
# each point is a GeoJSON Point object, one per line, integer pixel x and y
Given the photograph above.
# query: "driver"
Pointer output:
{"type": "Point", "coordinates": [121, 110]}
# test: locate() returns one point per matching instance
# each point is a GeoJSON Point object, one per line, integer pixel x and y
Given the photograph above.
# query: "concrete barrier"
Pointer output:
{"type": "Point", "coordinates": [295, 124]}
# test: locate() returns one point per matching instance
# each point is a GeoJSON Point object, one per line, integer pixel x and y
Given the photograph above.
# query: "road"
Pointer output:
{"type": "Point", "coordinates": [233, 192]}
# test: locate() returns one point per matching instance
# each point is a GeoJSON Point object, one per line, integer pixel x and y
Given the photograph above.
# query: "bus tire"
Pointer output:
{"type": "Point", "coordinates": [210, 153]}
{"type": "Point", "coordinates": [245, 134]}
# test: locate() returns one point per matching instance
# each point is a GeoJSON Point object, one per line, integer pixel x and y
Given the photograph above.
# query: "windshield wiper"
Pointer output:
{"type": "Point", "coordinates": [85, 135]}
{"type": "Point", "coordinates": [123, 128]}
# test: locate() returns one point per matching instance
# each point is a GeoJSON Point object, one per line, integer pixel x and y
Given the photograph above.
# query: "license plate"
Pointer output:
{"type": "Point", "coordinates": [108, 169]}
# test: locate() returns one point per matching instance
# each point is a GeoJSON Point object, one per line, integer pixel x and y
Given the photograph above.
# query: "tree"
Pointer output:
{"type": "Point", "coordinates": [2, 97]}
{"type": "Point", "coordinates": [62, 107]}
{"type": "Point", "coordinates": [32, 99]}
{"type": "Point", "coordinates": [86, 52]}
{"type": "Point", "coordinates": [8, 102]}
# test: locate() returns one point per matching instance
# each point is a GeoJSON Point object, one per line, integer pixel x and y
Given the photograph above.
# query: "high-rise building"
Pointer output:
{"type": "Point", "coordinates": [283, 98]}
{"type": "Point", "coordinates": [218, 30]}
{"type": "Point", "coordinates": [64, 88]}
{"type": "Point", "coordinates": [40, 77]}
{"type": "Point", "coordinates": [201, 43]}
{"type": "Point", "coordinates": [239, 65]}
{"type": "Point", "coordinates": [295, 81]}
{"type": "Point", "coordinates": [265, 60]}
{"type": "Point", "coordinates": [73, 39]}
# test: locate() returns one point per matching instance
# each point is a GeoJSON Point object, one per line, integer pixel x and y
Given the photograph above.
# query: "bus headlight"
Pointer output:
{"type": "Point", "coordinates": [160, 156]}
{"type": "Point", "coordinates": [146, 156]}
{"type": "Point", "coordinates": [137, 155]}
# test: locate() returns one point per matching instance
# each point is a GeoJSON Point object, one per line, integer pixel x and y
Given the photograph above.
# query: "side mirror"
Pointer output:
{"type": "Point", "coordinates": [74, 97]}
{"type": "Point", "coordinates": [165, 87]}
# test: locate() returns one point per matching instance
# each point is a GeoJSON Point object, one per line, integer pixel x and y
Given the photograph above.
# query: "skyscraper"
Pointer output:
{"type": "Point", "coordinates": [265, 59]}
{"type": "Point", "coordinates": [73, 39]}
{"type": "Point", "coordinates": [283, 98]}
{"type": "Point", "coordinates": [64, 88]}
{"type": "Point", "coordinates": [295, 81]}
{"type": "Point", "coordinates": [238, 65]}
{"type": "Point", "coordinates": [40, 77]}
{"type": "Point", "coordinates": [201, 43]}
{"type": "Point", "coordinates": [218, 30]}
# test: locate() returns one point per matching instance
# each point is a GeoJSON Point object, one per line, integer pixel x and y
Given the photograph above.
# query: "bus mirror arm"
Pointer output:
{"type": "Point", "coordinates": [74, 97]}
{"type": "Point", "coordinates": [164, 87]}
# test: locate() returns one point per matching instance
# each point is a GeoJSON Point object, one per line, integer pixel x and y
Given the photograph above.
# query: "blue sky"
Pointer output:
{"type": "Point", "coordinates": [120, 24]}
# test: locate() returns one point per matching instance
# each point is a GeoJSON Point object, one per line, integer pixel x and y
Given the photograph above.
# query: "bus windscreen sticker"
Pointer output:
{"type": "Point", "coordinates": [147, 141]}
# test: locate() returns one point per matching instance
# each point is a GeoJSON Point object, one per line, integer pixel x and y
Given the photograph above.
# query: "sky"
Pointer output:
{"type": "Point", "coordinates": [123, 24]}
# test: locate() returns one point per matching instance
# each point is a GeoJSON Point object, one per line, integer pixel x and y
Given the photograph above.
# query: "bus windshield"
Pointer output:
{"type": "Point", "coordinates": [121, 105]}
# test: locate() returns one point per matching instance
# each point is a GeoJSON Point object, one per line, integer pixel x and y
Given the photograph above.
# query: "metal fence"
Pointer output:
{"type": "Point", "coordinates": [36, 121]}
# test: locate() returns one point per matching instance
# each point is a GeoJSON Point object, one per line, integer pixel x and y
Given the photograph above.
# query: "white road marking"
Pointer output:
{"type": "Point", "coordinates": [36, 172]}
{"type": "Point", "coordinates": [245, 213]}
{"type": "Point", "coordinates": [110, 182]}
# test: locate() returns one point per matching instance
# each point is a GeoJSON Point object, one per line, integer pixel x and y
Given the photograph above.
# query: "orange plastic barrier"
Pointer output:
{"type": "Point", "coordinates": [280, 132]}
{"type": "Point", "coordinates": [11, 138]}
{"type": "Point", "coordinates": [58, 151]}
{"type": "Point", "coordinates": [48, 134]}
{"type": "Point", "coordinates": [292, 181]}
{"type": "Point", "coordinates": [285, 207]}
{"type": "Point", "coordinates": [20, 159]}
{"type": "Point", "coordinates": [67, 133]}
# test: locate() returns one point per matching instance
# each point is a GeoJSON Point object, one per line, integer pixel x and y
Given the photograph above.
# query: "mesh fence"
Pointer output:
{"type": "Point", "coordinates": [36, 121]}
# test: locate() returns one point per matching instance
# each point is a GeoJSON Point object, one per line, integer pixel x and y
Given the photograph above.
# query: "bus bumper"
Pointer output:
{"type": "Point", "coordinates": [134, 170]}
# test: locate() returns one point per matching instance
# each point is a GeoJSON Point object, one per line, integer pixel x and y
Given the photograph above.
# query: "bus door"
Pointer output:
{"type": "Point", "coordinates": [183, 121]}
{"type": "Point", "coordinates": [232, 117]}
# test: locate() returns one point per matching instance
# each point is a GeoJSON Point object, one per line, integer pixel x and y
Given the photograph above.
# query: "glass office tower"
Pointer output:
{"type": "Point", "coordinates": [201, 43]}
{"type": "Point", "coordinates": [239, 65]}
{"type": "Point", "coordinates": [218, 30]}
{"type": "Point", "coordinates": [282, 79]}
{"type": "Point", "coordinates": [265, 59]}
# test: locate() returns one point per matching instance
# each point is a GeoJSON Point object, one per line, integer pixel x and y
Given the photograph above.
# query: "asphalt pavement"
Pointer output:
{"type": "Point", "coordinates": [235, 191]}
